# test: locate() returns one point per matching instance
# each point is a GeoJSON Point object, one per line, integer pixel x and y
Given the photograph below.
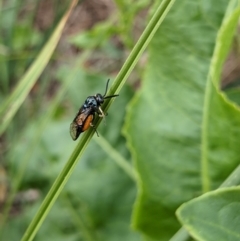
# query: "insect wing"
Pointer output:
{"type": "Point", "coordinates": [76, 127]}
{"type": "Point", "coordinates": [74, 131]}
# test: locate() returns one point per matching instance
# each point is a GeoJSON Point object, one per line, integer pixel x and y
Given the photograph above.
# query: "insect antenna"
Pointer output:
{"type": "Point", "coordinates": [106, 88]}
{"type": "Point", "coordinates": [109, 96]}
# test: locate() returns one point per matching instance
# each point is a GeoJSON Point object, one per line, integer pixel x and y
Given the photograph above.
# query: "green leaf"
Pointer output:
{"type": "Point", "coordinates": [20, 93]}
{"type": "Point", "coordinates": [96, 36]}
{"type": "Point", "coordinates": [213, 216]}
{"type": "Point", "coordinates": [182, 131]}
{"type": "Point", "coordinates": [234, 95]}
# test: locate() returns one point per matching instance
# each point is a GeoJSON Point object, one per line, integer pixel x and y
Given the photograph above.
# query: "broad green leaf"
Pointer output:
{"type": "Point", "coordinates": [233, 94]}
{"type": "Point", "coordinates": [182, 131]}
{"type": "Point", "coordinates": [213, 216]}
{"type": "Point", "coordinates": [14, 101]}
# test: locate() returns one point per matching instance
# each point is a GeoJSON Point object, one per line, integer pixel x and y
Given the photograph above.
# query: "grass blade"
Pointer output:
{"type": "Point", "coordinates": [12, 104]}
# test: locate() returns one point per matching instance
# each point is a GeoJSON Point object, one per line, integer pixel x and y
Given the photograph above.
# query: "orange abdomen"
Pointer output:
{"type": "Point", "coordinates": [87, 123]}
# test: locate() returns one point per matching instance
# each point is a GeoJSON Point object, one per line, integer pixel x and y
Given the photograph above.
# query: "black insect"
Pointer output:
{"type": "Point", "coordinates": [86, 114]}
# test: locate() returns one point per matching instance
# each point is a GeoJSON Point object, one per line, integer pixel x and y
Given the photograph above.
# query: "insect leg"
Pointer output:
{"type": "Point", "coordinates": [93, 126]}
{"type": "Point", "coordinates": [100, 112]}
{"type": "Point", "coordinates": [95, 129]}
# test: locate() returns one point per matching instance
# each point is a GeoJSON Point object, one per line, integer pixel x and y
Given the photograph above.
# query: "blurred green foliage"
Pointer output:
{"type": "Point", "coordinates": [163, 125]}
{"type": "Point", "coordinates": [99, 197]}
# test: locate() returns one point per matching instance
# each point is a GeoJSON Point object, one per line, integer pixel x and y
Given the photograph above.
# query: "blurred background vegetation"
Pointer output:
{"type": "Point", "coordinates": [97, 202]}
{"type": "Point", "coordinates": [95, 42]}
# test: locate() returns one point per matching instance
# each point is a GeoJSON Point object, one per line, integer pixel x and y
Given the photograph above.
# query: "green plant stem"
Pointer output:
{"type": "Point", "coordinates": [86, 232]}
{"type": "Point", "coordinates": [119, 160]}
{"type": "Point", "coordinates": [82, 144]}
{"type": "Point", "coordinates": [181, 235]}
{"type": "Point", "coordinates": [141, 45]}
{"type": "Point", "coordinates": [41, 126]}
{"type": "Point", "coordinates": [232, 180]}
